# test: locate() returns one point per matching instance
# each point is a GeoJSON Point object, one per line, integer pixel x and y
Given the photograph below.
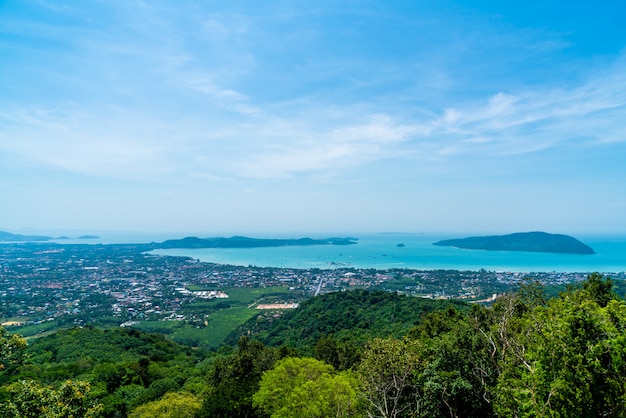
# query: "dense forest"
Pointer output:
{"type": "Point", "coordinates": [359, 353]}
{"type": "Point", "coordinates": [357, 315]}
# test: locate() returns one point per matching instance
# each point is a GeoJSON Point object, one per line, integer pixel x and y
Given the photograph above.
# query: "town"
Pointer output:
{"type": "Point", "coordinates": [44, 286]}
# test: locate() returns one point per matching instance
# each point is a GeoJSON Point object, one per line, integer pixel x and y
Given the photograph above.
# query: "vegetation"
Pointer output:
{"type": "Point", "coordinates": [12, 348]}
{"type": "Point", "coordinates": [305, 387]}
{"type": "Point", "coordinates": [217, 318]}
{"type": "Point", "coordinates": [525, 356]}
{"type": "Point", "coordinates": [172, 405]}
{"type": "Point", "coordinates": [357, 315]}
{"type": "Point", "coordinates": [30, 400]}
{"type": "Point", "coordinates": [118, 369]}
{"type": "Point", "coordinates": [523, 241]}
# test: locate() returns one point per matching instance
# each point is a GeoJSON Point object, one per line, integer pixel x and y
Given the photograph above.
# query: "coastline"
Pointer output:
{"type": "Point", "coordinates": [380, 251]}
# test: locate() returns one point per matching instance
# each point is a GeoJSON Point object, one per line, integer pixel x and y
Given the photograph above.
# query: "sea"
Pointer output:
{"type": "Point", "coordinates": [415, 251]}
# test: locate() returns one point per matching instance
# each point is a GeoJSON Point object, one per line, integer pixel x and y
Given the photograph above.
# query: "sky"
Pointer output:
{"type": "Point", "coordinates": [258, 117]}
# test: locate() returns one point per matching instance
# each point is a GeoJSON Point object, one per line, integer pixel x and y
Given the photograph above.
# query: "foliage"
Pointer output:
{"type": "Point", "coordinates": [234, 379]}
{"type": "Point", "coordinates": [125, 368]}
{"type": "Point", "coordinates": [113, 345]}
{"type": "Point", "coordinates": [459, 371]}
{"type": "Point", "coordinates": [567, 358]}
{"type": "Point", "coordinates": [357, 315]}
{"type": "Point", "coordinates": [12, 347]}
{"type": "Point", "coordinates": [341, 354]}
{"type": "Point", "coordinates": [29, 400]}
{"type": "Point", "coordinates": [386, 372]}
{"type": "Point", "coordinates": [523, 357]}
{"type": "Point", "coordinates": [305, 387]}
{"type": "Point", "coordinates": [172, 405]}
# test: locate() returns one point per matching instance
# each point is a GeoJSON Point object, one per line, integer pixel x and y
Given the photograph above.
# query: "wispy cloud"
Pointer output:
{"type": "Point", "coordinates": [264, 144]}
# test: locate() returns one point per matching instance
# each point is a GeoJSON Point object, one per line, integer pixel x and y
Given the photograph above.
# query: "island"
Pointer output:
{"type": "Point", "coordinates": [542, 242]}
{"type": "Point", "coordinates": [245, 242]}
{"type": "Point", "coordinates": [9, 237]}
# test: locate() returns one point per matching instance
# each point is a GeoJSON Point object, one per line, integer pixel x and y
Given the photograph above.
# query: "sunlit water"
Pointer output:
{"type": "Point", "coordinates": [382, 251]}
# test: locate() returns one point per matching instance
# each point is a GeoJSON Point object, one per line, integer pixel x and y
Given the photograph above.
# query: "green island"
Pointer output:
{"type": "Point", "coordinates": [522, 241]}
{"type": "Point", "coordinates": [245, 242]}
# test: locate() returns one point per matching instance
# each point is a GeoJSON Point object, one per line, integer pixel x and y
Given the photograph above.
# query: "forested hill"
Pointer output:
{"type": "Point", "coordinates": [522, 241]}
{"type": "Point", "coordinates": [123, 368]}
{"type": "Point", "coordinates": [358, 315]}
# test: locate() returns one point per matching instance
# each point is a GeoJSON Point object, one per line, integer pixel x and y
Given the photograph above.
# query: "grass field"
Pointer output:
{"type": "Point", "coordinates": [224, 316]}
{"type": "Point", "coordinates": [36, 330]}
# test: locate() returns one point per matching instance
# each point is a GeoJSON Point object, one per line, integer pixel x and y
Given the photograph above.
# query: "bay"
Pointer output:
{"type": "Point", "coordinates": [415, 251]}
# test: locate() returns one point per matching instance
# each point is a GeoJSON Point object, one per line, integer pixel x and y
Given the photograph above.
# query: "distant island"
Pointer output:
{"type": "Point", "coordinates": [245, 242]}
{"type": "Point", "coordinates": [541, 242]}
{"type": "Point", "coordinates": [9, 237]}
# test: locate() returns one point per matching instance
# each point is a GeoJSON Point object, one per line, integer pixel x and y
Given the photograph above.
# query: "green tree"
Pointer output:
{"type": "Point", "coordinates": [599, 288]}
{"type": "Point", "coordinates": [387, 372]}
{"type": "Point", "coordinates": [459, 375]}
{"type": "Point", "coordinates": [30, 400]}
{"type": "Point", "coordinates": [342, 355]}
{"type": "Point", "coordinates": [305, 387]}
{"type": "Point", "coordinates": [172, 405]}
{"type": "Point", "coordinates": [12, 348]}
{"type": "Point", "coordinates": [114, 375]}
{"type": "Point", "coordinates": [234, 379]}
{"type": "Point", "coordinates": [566, 359]}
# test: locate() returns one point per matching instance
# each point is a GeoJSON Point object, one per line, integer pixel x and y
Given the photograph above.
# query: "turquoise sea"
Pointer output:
{"type": "Point", "coordinates": [381, 251]}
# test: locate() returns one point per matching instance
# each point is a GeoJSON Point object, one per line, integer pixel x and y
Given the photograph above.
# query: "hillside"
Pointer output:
{"type": "Point", "coordinates": [522, 241]}
{"type": "Point", "coordinates": [357, 315]}
{"type": "Point", "coordinates": [124, 367]}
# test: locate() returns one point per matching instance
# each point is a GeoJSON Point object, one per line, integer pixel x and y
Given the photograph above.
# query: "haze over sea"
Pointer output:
{"type": "Point", "coordinates": [382, 251]}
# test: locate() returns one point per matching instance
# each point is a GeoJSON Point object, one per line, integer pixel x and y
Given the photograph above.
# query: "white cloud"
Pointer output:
{"type": "Point", "coordinates": [260, 143]}
{"type": "Point", "coordinates": [533, 120]}
{"type": "Point", "coordinates": [72, 140]}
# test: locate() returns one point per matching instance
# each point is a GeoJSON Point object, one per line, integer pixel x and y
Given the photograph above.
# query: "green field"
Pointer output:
{"type": "Point", "coordinates": [222, 316]}
{"type": "Point", "coordinates": [36, 330]}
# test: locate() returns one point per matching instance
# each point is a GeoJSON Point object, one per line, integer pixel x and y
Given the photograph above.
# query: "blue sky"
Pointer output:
{"type": "Point", "coordinates": [318, 116]}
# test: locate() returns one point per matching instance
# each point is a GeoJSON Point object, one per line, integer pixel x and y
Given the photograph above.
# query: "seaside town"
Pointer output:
{"type": "Point", "coordinates": [120, 284]}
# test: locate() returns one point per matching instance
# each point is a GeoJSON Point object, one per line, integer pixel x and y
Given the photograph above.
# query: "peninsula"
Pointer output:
{"type": "Point", "coordinates": [522, 241]}
{"type": "Point", "coordinates": [245, 242]}
{"type": "Point", "coordinates": [9, 237]}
